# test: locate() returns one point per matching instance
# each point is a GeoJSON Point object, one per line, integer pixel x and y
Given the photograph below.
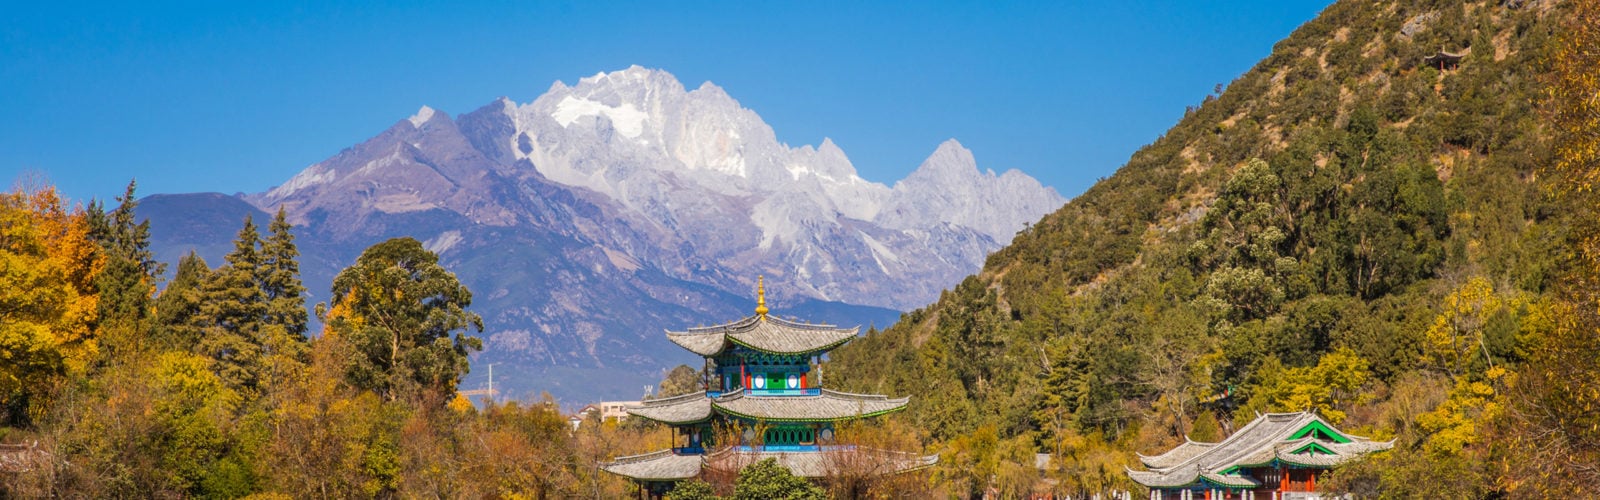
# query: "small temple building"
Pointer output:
{"type": "Point", "coordinates": [763, 381]}
{"type": "Point", "coordinates": [1278, 456]}
{"type": "Point", "coordinates": [1443, 60]}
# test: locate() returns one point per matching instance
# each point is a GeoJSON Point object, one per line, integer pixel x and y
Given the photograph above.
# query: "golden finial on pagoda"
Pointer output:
{"type": "Point", "coordinates": [761, 297]}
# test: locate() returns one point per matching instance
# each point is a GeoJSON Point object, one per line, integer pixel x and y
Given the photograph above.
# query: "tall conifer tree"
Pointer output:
{"type": "Point", "coordinates": [128, 279]}
{"type": "Point", "coordinates": [279, 275]}
{"type": "Point", "coordinates": [232, 313]}
{"type": "Point", "coordinates": [178, 314]}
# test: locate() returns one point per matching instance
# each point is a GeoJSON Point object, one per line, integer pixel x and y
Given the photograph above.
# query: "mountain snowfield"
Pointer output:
{"type": "Point", "coordinates": [591, 218]}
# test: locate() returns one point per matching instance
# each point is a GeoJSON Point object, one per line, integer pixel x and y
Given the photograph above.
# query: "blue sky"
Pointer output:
{"type": "Point", "coordinates": [239, 96]}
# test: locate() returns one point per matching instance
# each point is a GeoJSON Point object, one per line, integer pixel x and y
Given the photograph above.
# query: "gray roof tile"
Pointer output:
{"type": "Point", "coordinates": [763, 333]}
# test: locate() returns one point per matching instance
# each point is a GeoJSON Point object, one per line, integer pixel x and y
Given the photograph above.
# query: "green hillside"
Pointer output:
{"type": "Point", "coordinates": [1344, 228]}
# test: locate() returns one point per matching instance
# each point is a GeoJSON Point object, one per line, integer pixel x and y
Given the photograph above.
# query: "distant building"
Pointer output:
{"type": "Point", "coordinates": [583, 413]}
{"type": "Point", "coordinates": [615, 409]}
{"type": "Point", "coordinates": [1279, 456]}
{"type": "Point", "coordinates": [1443, 60]}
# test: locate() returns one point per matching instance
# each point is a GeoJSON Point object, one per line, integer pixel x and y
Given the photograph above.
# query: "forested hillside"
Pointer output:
{"type": "Point", "coordinates": [1349, 227]}
{"type": "Point", "coordinates": [212, 387]}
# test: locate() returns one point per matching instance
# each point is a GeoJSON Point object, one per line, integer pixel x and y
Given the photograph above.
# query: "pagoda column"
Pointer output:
{"type": "Point", "coordinates": [1311, 480]}
{"type": "Point", "coordinates": [819, 369]}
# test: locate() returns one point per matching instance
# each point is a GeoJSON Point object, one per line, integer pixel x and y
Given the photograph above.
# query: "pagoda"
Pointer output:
{"type": "Point", "coordinates": [763, 387]}
{"type": "Point", "coordinates": [1275, 457]}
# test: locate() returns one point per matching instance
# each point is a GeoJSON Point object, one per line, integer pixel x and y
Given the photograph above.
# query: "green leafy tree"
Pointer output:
{"type": "Point", "coordinates": [1243, 239]}
{"type": "Point", "coordinates": [1337, 382]}
{"type": "Point", "coordinates": [766, 480]}
{"type": "Point", "coordinates": [406, 318]}
{"type": "Point", "coordinates": [693, 489]}
{"type": "Point", "coordinates": [681, 380]}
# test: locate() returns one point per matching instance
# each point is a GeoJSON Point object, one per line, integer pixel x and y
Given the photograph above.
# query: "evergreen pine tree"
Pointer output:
{"type": "Point", "coordinates": [282, 334]}
{"type": "Point", "coordinates": [232, 313]}
{"type": "Point", "coordinates": [128, 279]}
{"type": "Point", "coordinates": [178, 315]}
{"type": "Point", "coordinates": [279, 275]}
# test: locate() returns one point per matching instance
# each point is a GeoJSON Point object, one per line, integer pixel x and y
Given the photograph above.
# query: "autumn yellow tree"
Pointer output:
{"type": "Point", "coordinates": [1552, 423]}
{"type": "Point", "coordinates": [47, 299]}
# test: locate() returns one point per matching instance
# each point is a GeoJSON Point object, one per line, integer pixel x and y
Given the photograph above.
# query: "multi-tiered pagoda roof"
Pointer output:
{"type": "Point", "coordinates": [1277, 452]}
{"type": "Point", "coordinates": [762, 373]}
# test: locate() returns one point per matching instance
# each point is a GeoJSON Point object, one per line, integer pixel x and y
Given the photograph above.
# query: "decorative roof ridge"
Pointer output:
{"type": "Point", "coordinates": [1186, 440]}
{"type": "Point", "coordinates": [716, 329]}
{"type": "Point", "coordinates": [807, 326]}
{"type": "Point", "coordinates": [719, 452]}
{"type": "Point", "coordinates": [669, 401]}
{"type": "Point", "coordinates": [1187, 444]}
{"type": "Point", "coordinates": [642, 457]}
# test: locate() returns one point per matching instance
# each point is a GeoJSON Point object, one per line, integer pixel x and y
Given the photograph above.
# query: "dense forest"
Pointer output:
{"type": "Point", "coordinates": [116, 385]}
{"type": "Point", "coordinates": [1405, 247]}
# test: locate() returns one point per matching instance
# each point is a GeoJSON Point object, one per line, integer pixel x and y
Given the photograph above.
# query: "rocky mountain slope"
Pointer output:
{"type": "Point", "coordinates": [592, 217]}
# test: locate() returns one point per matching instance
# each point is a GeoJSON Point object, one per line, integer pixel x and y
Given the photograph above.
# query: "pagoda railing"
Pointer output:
{"type": "Point", "coordinates": [813, 391]}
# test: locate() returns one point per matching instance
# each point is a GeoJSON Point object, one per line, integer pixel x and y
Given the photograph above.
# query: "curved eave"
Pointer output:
{"type": "Point", "coordinates": [704, 344]}
{"type": "Point", "coordinates": [829, 406]}
{"type": "Point", "coordinates": [1229, 481]}
{"type": "Point", "coordinates": [678, 410]}
{"type": "Point", "coordinates": [1151, 479]}
{"type": "Point", "coordinates": [1176, 456]}
{"type": "Point", "coordinates": [658, 466]}
{"type": "Point", "coordinates": [922, 462]}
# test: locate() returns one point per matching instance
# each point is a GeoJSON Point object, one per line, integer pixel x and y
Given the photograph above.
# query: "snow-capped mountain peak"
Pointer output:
{"type": "Point", "coordinates": [691, 173]}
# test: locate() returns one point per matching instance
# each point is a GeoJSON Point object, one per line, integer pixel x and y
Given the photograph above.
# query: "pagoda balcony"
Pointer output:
{"type": "Point", "coordinates": [809, 391]}
{"type": "Point", "coordinates": [812, 391]}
